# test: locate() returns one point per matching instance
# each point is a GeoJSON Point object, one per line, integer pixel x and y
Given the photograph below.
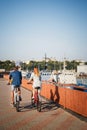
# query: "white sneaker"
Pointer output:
{"type": "Point", "coordinates": [12, 105]}
{"type": "Point", "coordinates": [32, 98]}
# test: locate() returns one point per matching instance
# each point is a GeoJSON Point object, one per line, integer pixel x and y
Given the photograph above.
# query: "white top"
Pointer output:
{"type": "Point", "coordinates": [36, 80]}
{"type": "Point", "coordinates": [54, 77]}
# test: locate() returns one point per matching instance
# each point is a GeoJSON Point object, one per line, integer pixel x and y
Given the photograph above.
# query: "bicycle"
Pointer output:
{"type": "Point", "coordinates": [36, 101]}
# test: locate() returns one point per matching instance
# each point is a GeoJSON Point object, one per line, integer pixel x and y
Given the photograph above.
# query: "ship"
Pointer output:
{"type": "Point", "coordinates": [67, 77]}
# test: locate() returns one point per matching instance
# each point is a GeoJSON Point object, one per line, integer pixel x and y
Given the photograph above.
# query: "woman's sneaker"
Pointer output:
{"type": "Point", "coordinates": [32, 98]}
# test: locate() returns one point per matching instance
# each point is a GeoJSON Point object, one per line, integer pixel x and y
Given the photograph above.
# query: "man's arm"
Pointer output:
{"type": "Point", "coordinates": [21, 77]}
{"type": "Point", "coordinates": [10, 79]}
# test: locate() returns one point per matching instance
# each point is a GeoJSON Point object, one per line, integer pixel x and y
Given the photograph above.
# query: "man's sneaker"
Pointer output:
{"type": "Point", "coordinates": [20, 98]}
{"type": "Point", "coordinates": [12, 105]}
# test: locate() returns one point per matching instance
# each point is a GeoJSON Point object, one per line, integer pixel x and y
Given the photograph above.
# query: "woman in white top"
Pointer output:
{"type": "Point", "coordinates": [36, 77]}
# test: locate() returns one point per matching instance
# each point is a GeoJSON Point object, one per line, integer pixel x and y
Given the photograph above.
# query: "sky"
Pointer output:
{"type": "Point", "coordinates": [29, 29]}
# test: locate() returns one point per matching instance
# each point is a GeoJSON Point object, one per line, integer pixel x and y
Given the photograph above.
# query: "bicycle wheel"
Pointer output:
{"type": "Point", "coordinates": [17, 106]}
{"type": "Point", "coordinates": [17, 103]}
{"type": "Point", "coordinates": [39, 106]}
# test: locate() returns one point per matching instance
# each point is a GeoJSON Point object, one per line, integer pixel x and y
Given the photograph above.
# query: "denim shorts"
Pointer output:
{"type": "Point", "coordinates": [13, 86]}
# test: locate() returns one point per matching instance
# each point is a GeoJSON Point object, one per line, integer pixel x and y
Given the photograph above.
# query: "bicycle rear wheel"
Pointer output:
{"type": "Point", "coordinates": [37, 101]}
{"type": "Point", "coordinates": [39, 106]}
{"type": "Point", "coordinates": [17, 106]}
{"type": "Point", "coordinates": [17, 103]}
{"type": "Point", "coordinates": [32, 102]}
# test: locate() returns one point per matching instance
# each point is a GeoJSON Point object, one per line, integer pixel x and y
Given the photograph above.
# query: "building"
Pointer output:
{"type": "Point", "coordinates": [82, 69]}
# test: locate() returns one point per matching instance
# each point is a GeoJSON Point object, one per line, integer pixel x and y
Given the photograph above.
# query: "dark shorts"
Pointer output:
{"type": "Point", "coordinates": [13, 87]}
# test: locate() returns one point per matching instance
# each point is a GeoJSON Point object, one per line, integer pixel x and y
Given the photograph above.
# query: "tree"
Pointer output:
{"type": "Point", "coordinates": [7, 65]}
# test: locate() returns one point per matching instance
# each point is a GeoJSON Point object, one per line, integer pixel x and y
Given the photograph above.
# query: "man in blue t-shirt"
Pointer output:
{"type": "Point", "coordinates": [15, 78]}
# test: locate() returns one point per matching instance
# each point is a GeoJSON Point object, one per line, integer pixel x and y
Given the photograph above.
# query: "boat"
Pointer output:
{"type": "Point", "coordinates": [67, 77]}
{"type": "Point", "coordinates": [44, 72]}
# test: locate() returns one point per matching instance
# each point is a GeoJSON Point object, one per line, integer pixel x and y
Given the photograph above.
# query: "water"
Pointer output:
{"type": "Point", "coordinates": [82, 81]}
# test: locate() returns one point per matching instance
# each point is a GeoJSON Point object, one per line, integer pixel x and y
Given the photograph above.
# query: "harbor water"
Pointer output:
{"type": "Point", "coordinates": [82, 81]}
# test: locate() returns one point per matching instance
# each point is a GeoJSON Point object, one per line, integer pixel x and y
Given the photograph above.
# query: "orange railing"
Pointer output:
{"type": "Point", "coordinates": [71, 99]}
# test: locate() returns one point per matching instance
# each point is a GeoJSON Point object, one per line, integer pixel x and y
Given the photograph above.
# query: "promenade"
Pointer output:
{"type": "Point", "coordinates": [52, 117]}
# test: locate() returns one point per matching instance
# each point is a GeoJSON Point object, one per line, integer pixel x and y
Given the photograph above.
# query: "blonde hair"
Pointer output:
{"type": "Point", "coordinates": [36, 71]}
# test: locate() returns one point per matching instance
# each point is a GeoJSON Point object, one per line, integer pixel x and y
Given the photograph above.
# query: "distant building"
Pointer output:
{"type": "Point", "coordinates": [27, 62]}
{"type": "Point", "coordinates": [2, 70]}
{"type": "Point", "coordinates": [79, 60]}
{"type": "Point", "coordinates": [82, 69]}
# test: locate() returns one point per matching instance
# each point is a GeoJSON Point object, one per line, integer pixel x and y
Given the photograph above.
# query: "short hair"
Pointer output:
{"type": "Point", "coordinates": [16, 67]}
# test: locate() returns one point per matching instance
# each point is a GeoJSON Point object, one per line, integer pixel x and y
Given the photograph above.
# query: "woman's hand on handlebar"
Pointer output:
{"type": "Point", "coordinates": [29, 83]}
{"type": "Point", "coordinates": [8, 83]}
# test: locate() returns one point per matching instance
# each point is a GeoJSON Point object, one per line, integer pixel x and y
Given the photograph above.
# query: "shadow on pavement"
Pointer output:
{"type": "Point", "coordinates": [45, 107]}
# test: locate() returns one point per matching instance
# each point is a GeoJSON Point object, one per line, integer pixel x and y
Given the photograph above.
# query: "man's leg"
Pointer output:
{"type": "Point", "coordinates": [12, 96]}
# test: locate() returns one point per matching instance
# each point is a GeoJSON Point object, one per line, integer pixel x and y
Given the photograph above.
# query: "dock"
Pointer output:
{"type": "Point", "coordinates": [51, 117]}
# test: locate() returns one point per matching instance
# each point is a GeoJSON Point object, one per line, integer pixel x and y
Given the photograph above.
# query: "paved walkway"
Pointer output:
{"type": "Point", "coordinates": [51, 117]}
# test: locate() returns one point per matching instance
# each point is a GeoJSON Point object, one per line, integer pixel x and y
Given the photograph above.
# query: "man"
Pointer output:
{"type": "Point", "coordinates": [54, 76]}
{"type": "Point", "coordinates": [15, 79]}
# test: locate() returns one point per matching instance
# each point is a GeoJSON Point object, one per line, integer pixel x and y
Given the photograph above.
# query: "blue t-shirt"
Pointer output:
{"type": "Point", "coordinates": [16, 77]}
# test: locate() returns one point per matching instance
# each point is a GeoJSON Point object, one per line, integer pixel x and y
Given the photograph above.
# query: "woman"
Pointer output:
{"type": "Point", "coordinates": [36, 77]}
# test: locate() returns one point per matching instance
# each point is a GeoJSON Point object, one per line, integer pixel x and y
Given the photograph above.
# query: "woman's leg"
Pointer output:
{"type": "Point", "coordinates": [33, 91]}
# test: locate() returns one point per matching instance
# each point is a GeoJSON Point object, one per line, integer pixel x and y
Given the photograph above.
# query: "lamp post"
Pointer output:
{"type": "Point", "coordinates": [45, 62]}
{"type": "Point", "coordinates": [54, 63]}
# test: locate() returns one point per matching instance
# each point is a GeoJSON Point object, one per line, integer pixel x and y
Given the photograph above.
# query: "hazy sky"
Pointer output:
{"type": "Point", "coordinates": [31, 28]}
